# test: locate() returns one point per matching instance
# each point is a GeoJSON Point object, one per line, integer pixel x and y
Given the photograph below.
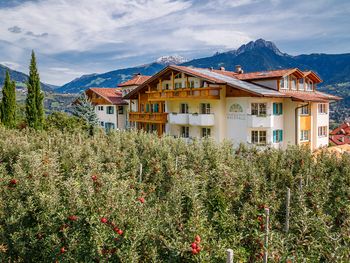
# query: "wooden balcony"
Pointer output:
{"type": "Point", "coordinates": [179, 94]}
{"type": "Point", "coordinates": [148, 117]}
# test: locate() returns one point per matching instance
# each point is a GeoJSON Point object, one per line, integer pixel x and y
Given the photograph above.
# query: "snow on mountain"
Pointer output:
{"type": "Point", "coordinates": [171, 60]}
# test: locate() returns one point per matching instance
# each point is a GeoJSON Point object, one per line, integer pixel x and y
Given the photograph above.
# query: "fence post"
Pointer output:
{"type": "Point", "coordinates": [286, 228]}
{"type": "Point", "coordinates": [229, 258]}
{"type": "Point", "coordinates": [140, 175]}
{"type": "Point", "coordinates": [266, 239]}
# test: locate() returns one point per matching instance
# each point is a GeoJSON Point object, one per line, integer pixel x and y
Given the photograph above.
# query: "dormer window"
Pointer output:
{"type": "Point", "coordinates": [178, 76]}
{"type": "Point", "coordinates": [293, 83]}
{"type": "Point", "coordinates": [284, 83]}
{"type": "Point", "coordinates": [309, 85]}
{"type": "Point", "coordinates": [301, 84]}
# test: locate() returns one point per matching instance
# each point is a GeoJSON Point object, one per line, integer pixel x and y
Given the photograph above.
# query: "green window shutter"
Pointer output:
{"type": "Point", "coordinates": [281, 135]}
{"type": "Point", "coordinates": [281, 105]}
{"type": "Point", "coordinates": [147, 107]}
{"type": "Point", "coordinates": [274, 108]}
{"type": "Point", "coordinates": [274, 136]}
{"type": "Point", "coordinates": [156, 108]}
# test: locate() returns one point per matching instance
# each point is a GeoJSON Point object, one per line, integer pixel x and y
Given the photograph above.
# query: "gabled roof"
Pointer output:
{"type": "Point", "coordinates": [112, 95]}
{"type": "Point", "coordinates": [340, 139]}
{"type": "Point", "coordinates": [342, 129]}
{"type": "Point", "coordinates": [213, 76]}
{"type": "Point", "coordinates": [134, 81]}
{"type": "Point", "coordinates": [264, 74]}
{"type": "Point", "coordinates": [311, 96]}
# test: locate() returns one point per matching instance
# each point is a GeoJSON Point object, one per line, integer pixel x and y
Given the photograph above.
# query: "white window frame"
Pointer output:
{"type": "Point", "coordinates": [293, 83]}
{"type": "Point", "coordinates": [322, 131]}
{"type": "Point", "coordinates": [305, 135]}
{"type": "Point", "coordinates": [185, 131]}
{"type": "Point", "coordinates": [305, 110]}
{"type": "Point", "coordinates": [100, 108]}
{"type": "Point", "coordinates": [258, 134]}
{"type": "Point", "coordinates": [285, 83]}
{"type": "Point", "coordinates": [260, 108]}
{"type": "Point", "coordinates": [184, 108]}
{"type": "Point", "coordinates": [206, 132]}
{"type": "Point", "coordinates": [107, 110]}
{"type": "Point", "coordinates": [309, 85]}
{"type": "Point", "coordinates": [205, 108]}
{"type": "Point", "coordinates": [322, 108]}
{"type": "Point", "coordinates": [301, 84]}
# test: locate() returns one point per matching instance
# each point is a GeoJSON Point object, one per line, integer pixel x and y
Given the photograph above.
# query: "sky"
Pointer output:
{"type": "Point", "coordinates": [76, 37]}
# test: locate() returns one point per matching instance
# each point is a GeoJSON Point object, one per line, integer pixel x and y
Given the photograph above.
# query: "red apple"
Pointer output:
{"type": "Point", "coordinates": [120, 232]}
{"type": "Point", "coordinates": [198, 239]}
{"type": "Point", "coordinates": [62, 250]}
{"type": "Point", "coordinates": [142, 200]}
{"type": "Point", "coordinates": [13, 181]}
{"type": "Point", "coordinates": [194, 251]}
{"type": "Point", "coordinates": [104, 220]}
{"type": "Point", "coordinates": [194, 245]}
{"type": "Point", "coordinates": [73, 218]}
{"type": "Point", "coordinates": [94, 178]}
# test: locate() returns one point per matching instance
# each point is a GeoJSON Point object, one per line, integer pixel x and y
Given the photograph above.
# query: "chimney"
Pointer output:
{"type": "Point", "coordinates": [136, 74]}
{"type": "Point", "coordinates": [239, 69]}
{"type": "Point", "coordinates": [222, 68]}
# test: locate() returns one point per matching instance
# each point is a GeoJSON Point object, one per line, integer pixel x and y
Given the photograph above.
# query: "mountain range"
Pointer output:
{"type": "Point", "coordinates": [256, 55]}
{"type": "Point", "coordinates": [20, 79]}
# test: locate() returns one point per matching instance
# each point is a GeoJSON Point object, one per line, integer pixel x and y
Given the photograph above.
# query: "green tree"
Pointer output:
{"type": "Point", "coordinates": [35, 97]}
{"type": "Point", "coordinates": [8, 103]}
{"type": "Point", "coordinates": [85, 110]}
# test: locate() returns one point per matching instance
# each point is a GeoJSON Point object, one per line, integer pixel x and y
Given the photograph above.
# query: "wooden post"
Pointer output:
{"type": "Point", "coordinates": [140, 175]}
{"type": "Point", "coordinates": [286, 227]}
{"type": "Point", "coordinates": [266, 239]}
{"type": "Point", "coordinates": [229, 258]}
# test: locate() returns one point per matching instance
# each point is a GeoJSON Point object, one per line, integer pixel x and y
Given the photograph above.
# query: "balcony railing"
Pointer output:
{"type": "Point", "coordinates": [178, 118]}
{"type": "Point", "coordinates": [195, 93]}
{"type": "Point", "coordinates": [257, 121]}
{"type": "Point", "coordinates": [202, 120]}
{"type": "Point", "coordinates": [148, 117]}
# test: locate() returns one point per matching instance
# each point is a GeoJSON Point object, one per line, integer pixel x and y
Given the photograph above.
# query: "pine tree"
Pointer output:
{"type": "Point", "coordinates": [8, 104]}
{"type": "Point", "coordinates": [85, 110]}
{"type": "Point", "coordinates": [35, 97]}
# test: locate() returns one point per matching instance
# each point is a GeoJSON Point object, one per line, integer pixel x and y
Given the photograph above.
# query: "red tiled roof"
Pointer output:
{"type": "Point", "coordinates": [189, 71]}
{"type": "Point", "coordinates": [342, 129]}
{"type": "Point", "coordinates": [310, 96]}
{"type": "Point", "coordinates": [135, 81]}
{"type": "Point", "coordinates": [113, 95]}
{"type": "Point", "coordinates": [340, 139]}
{"type": "Point", "coordinates": [263, 74]}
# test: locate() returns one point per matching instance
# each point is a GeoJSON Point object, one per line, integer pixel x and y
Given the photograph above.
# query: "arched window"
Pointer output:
{"type": "Point", "coordinates": [236, 108]}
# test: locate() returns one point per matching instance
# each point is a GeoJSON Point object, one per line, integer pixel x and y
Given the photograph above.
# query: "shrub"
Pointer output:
{"type": "Point", "coordinates": [65, 183]}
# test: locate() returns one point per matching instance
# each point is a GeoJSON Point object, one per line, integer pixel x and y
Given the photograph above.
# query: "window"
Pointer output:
{"type": "Point", "coordinates": [293, 83]}
{"type": "Point", "coordinates": [205, 108]}
{"type": "Point", "coordinates": [167, 86]}
{"type": "Point", "coordinates": [277, 136]}
{"type": "Point", "coordinates": [178, 85]}
{"type": "Point", "coordinates": [109, 126]}
{"type": "Point", "coordinates": [304, 135]}
{"type": "Point", "coordinates": [191, 84]}
{"type": "Point", "coordinates": [284, 83]}
{"type": "Point", "coordinates": [259, 137]}
{"type": "Point", "coordinates": [322, 108]}
{"type": "Point", "coordinates": [185, 132]}
{"type": "Point", "coordinates": [155, 107]}
{"type": "Point", "coordinates": [277, 109]}
{"type": "Point", "coordinates": [100, 108]}
{"type": "Point", "coordinates": [102, 123]}
{"type": "Point", "coordinates": [305, 110]}
{"type": "Point", "coordinates": [120, 110]}
{"type": "Point", "coordinates": [178, 76]}
{"type": "Point", "coordinates": [110, 109]}
{"type": "Point", "coordinates": [206, 132]}
{"type": "Point", "coordinates": [236, 108]}
{"type": "Point", "coordinates": [142, 107]}
{"type": "Point", "coordinates": [309, 85]}
{"type": "Point", "coordinates": [322, 131]}
{"type": "Point", "coordinates": [184, 108]}
{"type": "Point", "coordinates": [301, 84]}
{"type": "Point", "coordinates": [259, 109]}
{"type": "Point", "coordinates": [147, 107]}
